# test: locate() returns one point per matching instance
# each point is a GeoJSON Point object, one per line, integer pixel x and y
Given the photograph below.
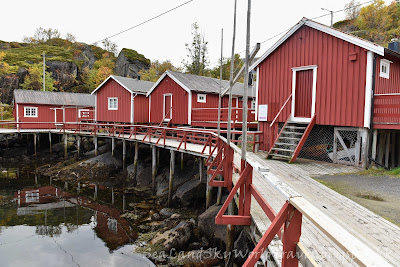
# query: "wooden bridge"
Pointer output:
{"type": "Point", "coordinates": [295, 218]}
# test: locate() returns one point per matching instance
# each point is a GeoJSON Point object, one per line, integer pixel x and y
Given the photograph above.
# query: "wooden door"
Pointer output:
{"type": "Point", "coordinates": [59, 115]}
{"type": "Point", "coordinates": [303, 93]}
{"type": "Point", "coordinates": [167, 107]}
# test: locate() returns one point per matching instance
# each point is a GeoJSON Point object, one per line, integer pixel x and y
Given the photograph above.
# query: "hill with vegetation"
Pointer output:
{"type": "Point", "coordinates": [71, 66]}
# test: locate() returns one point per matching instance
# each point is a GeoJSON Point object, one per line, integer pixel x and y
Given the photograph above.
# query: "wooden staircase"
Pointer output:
{"type": "Point", "coordinates": [290, 140]}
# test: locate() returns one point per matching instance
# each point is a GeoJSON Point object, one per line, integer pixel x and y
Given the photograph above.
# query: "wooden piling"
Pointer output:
{"type": "Point", "coordinates": [123, 153]}
{"type": "Point", "coordinates": [65, 146]}
{"type": "Point", "coordinates": [171, 177]}
{"type": "Point", "coordinates": [78, 143]}
{"type": "Point", "coordinates": [387, 150]}
{"type": "Point", "coordinates": [182, 157]}
{"type": "Point", "coordinates": [392, 150]}
{"type": "Point", "coordinates": [95, 145]}
{"type": "Point", "coordinates": [112, 146]}
{"type": "Point", "coordinates": [35, 143]}
{"type": "Point", "coordinates": [154, 169]}
{"type": "Point", "coordinates": [135, 161]}
{"type": "Point", "coordinates": [364, 147]}
{"type": "Point", "coordinates": [208, 192]}
{"type": "Point", "coordinates": [381, 145]}
{"type": "Point", "coordinates": [201, 169]}
{"type": "Point", "coordinates": [219, 194]}
{"type": "Point", "coordinates": [374, 145]}
{"type": "Point", "coordinates": [112, 195]}
{"type": "Point", "coordinates": [50, 148]}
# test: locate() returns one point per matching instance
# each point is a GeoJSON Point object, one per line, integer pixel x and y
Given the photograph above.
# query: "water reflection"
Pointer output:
{"type": "Point", "coordinates": [45, 225]}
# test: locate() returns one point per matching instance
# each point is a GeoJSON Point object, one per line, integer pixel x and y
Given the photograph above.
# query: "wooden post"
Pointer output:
{"type": "Point", "coordinates": [112, 146]}
{"type": "Point", "coordinates": [66, 186]}
{"type": "Point", "coordinates": [154, 169]}
{"type": "Point", "coordinates": [381, 146]}
{"type": "Point", "coordinates": [123, 201]}
{"type": "Point", "coordinates": [171, 177]}
{"type": "Point", "coordinates": [290, 237]}
{"type": "Point", "coordinates": [95, 145]}
{"type": "Point", "coordinates": [135, 161]}
{"type": "Point", "coordinates": [208, 192]}
{"type": "Point", "coordinates": [34, 144]}
{"type": "Point", "coordinates": [182, 157]}
{"type": "Point", "coordinates": [364, 148]}
{"type": "Point", "coordinates": [112, 195]}
{"type": "Point", "coordinates": [392, 150]}
{"type": "Point", "coordinates": [78, 143]}
{"type": "Point", "coordinates": [374, 145]}
{"type": "Point", "coordinates": [201, 169]}
{"type": "Point", "coordinates": [387, 151]}
{"type": "Point", "coordinates": [96, 188]}
{"type": "Point", "coordinates": [50, 142]}
{"type": "Point", "coordinates": [123, 153]}
{"type": "Point", "coordinates": [158, 158]}
{"type": "Point", "coordinates": [65, 146]}
{"type": "Point", "coordinates": [78, 189]}
{"type": "Point", "coordinates": [219, 194]}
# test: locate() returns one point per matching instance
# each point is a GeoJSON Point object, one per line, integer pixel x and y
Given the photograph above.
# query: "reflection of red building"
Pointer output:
{"type": "Point", "coordinates": [42, 195]}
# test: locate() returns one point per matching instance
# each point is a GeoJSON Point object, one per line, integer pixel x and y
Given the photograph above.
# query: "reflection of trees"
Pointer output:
{"type": "Point", "coordinates": [48, 230]}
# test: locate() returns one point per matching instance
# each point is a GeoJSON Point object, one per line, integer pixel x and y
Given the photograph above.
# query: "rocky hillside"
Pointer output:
{"type": "Point", "coordinates": [73, 66]}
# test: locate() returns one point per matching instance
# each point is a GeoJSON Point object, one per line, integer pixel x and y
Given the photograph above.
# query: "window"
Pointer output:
{"type": "Point", "coordinates": [385, 68]}
{"type": "Point", "coordinates": [83, 113]}
{"type": "Point", "coordinates": [201, 98]}
{"type": "Point", "coordinates": [30, 112]}
{"type": "Point", "coordinates": [112, 103]}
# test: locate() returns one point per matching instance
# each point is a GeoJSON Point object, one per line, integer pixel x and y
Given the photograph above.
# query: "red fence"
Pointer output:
{"type": "Point", "coordinates": [387, 111]}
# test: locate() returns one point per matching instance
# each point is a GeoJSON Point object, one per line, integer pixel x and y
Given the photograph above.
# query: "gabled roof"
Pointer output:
{"type": "Point", "coordinates": [380, 50]}
{"type": "Point", "coordinates": [201, 84]}
{"type": "Point", "coordinates": [134, 86]}
{"type": "Point", "coordinates": [54, 98]}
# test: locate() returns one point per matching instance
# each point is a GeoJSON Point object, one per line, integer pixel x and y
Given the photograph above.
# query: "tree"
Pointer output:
{"type": "Point", "coordinates": [34, 79]}
{"type": "Point", "coordinates": [156, 69]}
{"type": "Point", "coordinates": [226, 65]}
{"type": "Point", "coordinates": [4, 67]}
{"type": "Point", "coordinates": [373, 17]}
{"type": "Point", "coordinates": [352, 10]}
{"type": "Point", "coordinates": [42, 35]}
{"type": "Point", "coordinates": [110, 46]}
{"type": "Point", "coordinates": [70, 37]}
{"type": "Point", "coordinates": [102, 68]}
{"type": "Point", "coordinates": [197, 53]}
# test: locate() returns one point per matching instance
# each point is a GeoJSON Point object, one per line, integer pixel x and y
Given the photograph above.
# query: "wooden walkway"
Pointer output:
{"type": "Point", "coordinates": [378, 234]}
{"type": "Point", "coordinates": [344, 221]}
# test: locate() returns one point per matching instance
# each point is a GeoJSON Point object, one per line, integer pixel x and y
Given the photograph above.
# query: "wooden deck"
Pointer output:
{"type": "Point", "coordinates": [380, 235]}
{"type": "Point", "coordinates": [331, 224]}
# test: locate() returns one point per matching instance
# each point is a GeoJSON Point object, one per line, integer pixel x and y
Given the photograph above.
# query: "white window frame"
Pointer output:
{"type": "Point", "coordinates": [386, 63]}
{"type": "Point", "coordinates": [109, 102]}
{"type": "Point", "coordinates": [170, 113]}
{"type": "Point", "coordinates": [30, 113]}
{"type": "Point", "coordinates": [314, 89]}
{"type": "Point", "coordinates": [199, 98]}
{"type": "Point", "coordinates": [80, 111]}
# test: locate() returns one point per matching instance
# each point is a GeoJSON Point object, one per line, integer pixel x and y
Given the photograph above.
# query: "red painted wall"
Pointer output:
{"type": "Point", "coordinates": [179, 102]}
{"type": "Point", "coordinates": [340, 92]}
{"type": "Point", "coordinates": [391, 85]}
{"type": "Point", "coordinates": [112, 89]}
{"type": "Point", "coordinates": [45, 114]}
{"type": "Point", "coordinates": [141, 109]}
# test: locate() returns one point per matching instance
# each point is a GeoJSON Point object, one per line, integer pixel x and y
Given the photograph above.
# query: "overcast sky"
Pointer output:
{"type": "Point", "coordinates": [165, 37]}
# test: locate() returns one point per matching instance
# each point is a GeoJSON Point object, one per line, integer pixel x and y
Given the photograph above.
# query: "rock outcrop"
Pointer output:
{"type": "Point", "coordinates": [130, 62]}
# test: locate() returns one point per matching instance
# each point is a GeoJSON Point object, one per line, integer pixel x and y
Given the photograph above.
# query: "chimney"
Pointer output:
{"type": "Point", "coordinates": [138, 77]}
{"type": "Point", "coordinates": [394, 45]}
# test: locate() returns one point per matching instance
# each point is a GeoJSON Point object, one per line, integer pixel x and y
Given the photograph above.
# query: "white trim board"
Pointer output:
{"type": "Point", "coordinates": [314, 90]}
{"type": "Point", "coordinates": [170, 113]}
{"type": "Point", "coordinates": [328, 30]}
{"type": "Point", "coordinates": [368, 89]}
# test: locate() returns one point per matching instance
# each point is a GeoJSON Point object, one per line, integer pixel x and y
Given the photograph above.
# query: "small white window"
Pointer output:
{"type": "Point", "coordinates": [83, 113]}
{"type": "Point", "coordinates": [385, 68]}
{"type": "Point", "coordinates": [30, 112]}
{"type": "Point", "coordinates": [201, 98]}
{"type": "Point", "coordinates": [112, 103]}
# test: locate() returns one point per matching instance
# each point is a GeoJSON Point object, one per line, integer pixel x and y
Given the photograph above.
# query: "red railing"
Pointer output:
{"type": "Point", "coordinates": [387, 111]}
{"type": "Point", "coordinates": [211, 115]}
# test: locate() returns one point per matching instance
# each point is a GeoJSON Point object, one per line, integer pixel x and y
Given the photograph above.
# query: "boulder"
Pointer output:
{"type": "Point", "coordinates": [130, 62]}
{"type": "Point", "coordinates": [100, 150]}
{"type": "Point", "coordinates": [165, 213]}
{"type": "Point", "coordinates": [103, 160]}
{"type": "Point", "coordinates": [176, 238]}
{"type": "Point", "coordinates": [143, 177]}
{"type": "Point", "coordinates": [242, 247]}
{"type": "Point", "coordinates": [59, 147]}
{"type": "Point", "coordinates": [207, 226]}
{"type": "Point", "coordinates": [190, 192]}
{"type": "Point", "coordinates": [209, 257]}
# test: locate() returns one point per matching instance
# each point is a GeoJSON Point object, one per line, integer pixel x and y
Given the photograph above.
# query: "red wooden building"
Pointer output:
{"type": "Point", "coordinates": [122, 100]}
{"type": "Point", "coordinates": [316, 91]}
{"type": "Point", "coordinates": [47, 109]}
{"type": "Point", "coordinates": [187, 99]}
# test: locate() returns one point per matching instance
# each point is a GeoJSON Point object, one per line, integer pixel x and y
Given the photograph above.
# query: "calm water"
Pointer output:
{"type": "Point", "coordinates": [43, 223]}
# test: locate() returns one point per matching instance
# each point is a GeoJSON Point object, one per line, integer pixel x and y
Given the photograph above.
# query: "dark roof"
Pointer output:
{"type": "Point", "coordinates": [207, 84]}
{"type": "Point", "coordinates": [132, 85]}
{"type": "Point", "coordinates": [54, 98]}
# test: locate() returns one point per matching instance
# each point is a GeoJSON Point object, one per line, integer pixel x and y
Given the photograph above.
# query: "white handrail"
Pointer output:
{"type": "Point", "coordinates": [279, 113]}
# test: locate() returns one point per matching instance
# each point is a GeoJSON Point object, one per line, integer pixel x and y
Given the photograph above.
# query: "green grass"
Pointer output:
{"type": "Point", "coordinates": [395, 173]}
{"type": "Point", "coordinates": [131, 54]}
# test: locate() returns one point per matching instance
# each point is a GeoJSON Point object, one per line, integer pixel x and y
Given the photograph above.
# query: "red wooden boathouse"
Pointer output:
{"type": "Point", "coordinates": [47, 109]}
{"type": "Point", "coordinates": [122, 100]}
{"type": "Point", "coordinates": [317, 87]}
{"type": "Point", "coordinates": [187, 99]}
